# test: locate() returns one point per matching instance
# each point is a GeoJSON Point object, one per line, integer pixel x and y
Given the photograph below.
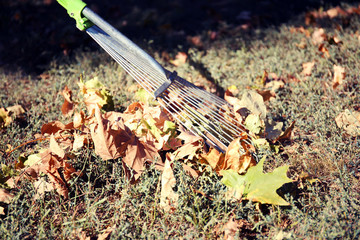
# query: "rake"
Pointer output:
{"type": "Point", "coordinates": [201, 112]}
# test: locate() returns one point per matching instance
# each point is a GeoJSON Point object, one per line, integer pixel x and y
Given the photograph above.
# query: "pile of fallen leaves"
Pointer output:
{"type": "Point", "coordinates": [146, 134]}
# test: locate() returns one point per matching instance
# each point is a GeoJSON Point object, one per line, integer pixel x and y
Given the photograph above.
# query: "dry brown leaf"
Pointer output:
{"type": "Point", "coordinates": [41, 187]}
{"type": "Point", "coordinates": [307, 68]}
{"type": "Point", "coordinates": [286, 135]}
{"type": "Point", "coordinates": [5, 196]}
{"type": "Point", "coordinates": [324, 50]}
{"type": "Point", "coordinates": [54, 127]}
{"type": "Point", "coordinates": [237, 158]}
{"type": "Point", "coordinates": [253, 102]}
{"type": "Point", "coordinates": [138, 153]}
{"type": "Point", "coordinates": [180, 59]}
{"type": "Point", "coordinates": [15, 111]}
{"type": "Point", "coordinates": [339, 76]}
{"type": "Point", "coordinates": [68, 106]}
{"type": "Point", "coordinates": [349, 121]}
{"type": "Point", "coordinates": [190, 171]}
{"type": "Point", "coordinates": [110, 138]}
{"type": "Point", "coordinates": [318, 36]}
{"type": "Point", "coordinates": [79, 119]}
{"type": "Point", "coordinates": [58, 171]}
{"type": "Point", "coordinates": [9, 114]}
{"type": "Point", "coordinates": [79, 141]}
{"type": "Point", "coordinates": [106, 234]}
{"type": "Point", "coordinates": [187, 136]}
{"type": "Point", "coordinates": [230, 228]}
{"type": "Point", "coordinates": [196, 41]}
{"type": "Point", "coordinates": [55, 148]}
{"type": "Point", "coordinates": [189, 150]}
{"type": "Point", "coordinates": [273, 130]}
{"type": "Point", "coordinates": [214, 158]}
{"type": "Point", "coordinates": [266, 94]}
{"type": "Point", "coordinates": [168, 198]}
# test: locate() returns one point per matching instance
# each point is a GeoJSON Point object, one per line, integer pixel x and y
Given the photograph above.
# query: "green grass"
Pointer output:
{"type": "Point", "coordinates": [102, 197]}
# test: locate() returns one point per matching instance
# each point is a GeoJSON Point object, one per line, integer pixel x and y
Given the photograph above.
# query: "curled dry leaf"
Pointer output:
{"type": "Point", "coordinates": [5, 196]}
{"type": "Point", "coordinates": [307, 68]}
{"type": "Point", "coordinates": [324, 51]}
{"type": "Point", "coordinates": [54, 127]}
{"type": "Point", "coordinates": [237, 157]}
{"type": "Point", "coordinates": [251, 102]}
{"type": "Point", "coordinates": [266, 94]}
{"type": "Point", "coordinates": [67, 108]}
{"type": "Point", "coordinates": [109, 137]}
{"type": "Point", "coordinates": [318, 36]}
{"type": "Point", "coordinates": [349, 121]}
{"type": "Point", "coordinates": [286, 135]}
{"type": "Point", "coordinates": [339, 76]}
{"type": "Point", "coordinates": [180, 59]}
{"type": "Point", "coordinates": [9, 114]}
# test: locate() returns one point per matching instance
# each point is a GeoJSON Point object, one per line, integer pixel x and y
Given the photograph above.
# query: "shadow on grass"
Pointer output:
{"type": "Point", "coordinates": [35, 32]}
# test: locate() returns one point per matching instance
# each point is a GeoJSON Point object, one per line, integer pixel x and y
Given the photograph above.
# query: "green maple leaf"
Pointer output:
{"type": "Point", "coordinates": [256, 185]}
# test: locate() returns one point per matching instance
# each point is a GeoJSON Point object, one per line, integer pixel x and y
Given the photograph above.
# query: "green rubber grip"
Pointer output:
{"type": "Point", "coordinates": [74, 9]}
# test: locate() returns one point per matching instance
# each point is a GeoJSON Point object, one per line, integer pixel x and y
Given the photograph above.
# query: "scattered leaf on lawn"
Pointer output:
{"type": "Point", "coordinates": [318, 36]}
{"type": "Point", "coordinates": [237, 158]}
{"type": "Point", "coordinates": [109, 137]}
{"type": "Point", "coordinates": [5, 196]}
{"type": "Point", "coordinates": [230, 229]}
{"type": "Point", "coordinates": [106, 233]}
{"type": "Point", "coordinates": [273, 130]}
{"type": "Point", "coordinates": [9, 114]}
{"type": "Point", "coordinates": [349, 121]}
{"type": "Point", "coordinates": [267, 94]}
{"type": "Point", "coordinates": [251, 102]}
{"type": "Point", "coordinates": [41, 187]}
{"type": "Point", "coordinates": [55, 148]}
{"type": "Point", "coordinates": [286, 135]}
{"type": "Point", "coordinates": [256, 185]}
{"type": "Point", "coordinates": [168, 198]}
{"type": "Point", "coordinates": [307, 68]}
{"type": "Point", "coordinates": [5, 119]}
{"type": "Point", "coordinates": [180, 59]}
{"type": "Point", "coordinates": [67, 108]}
{"type": "Point", "coordinates": [324, 51]}
{"type": "Point", "coordinates": [339, 76]}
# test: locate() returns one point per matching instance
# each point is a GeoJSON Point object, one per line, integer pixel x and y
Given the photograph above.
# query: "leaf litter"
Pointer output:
{"type": "Point", "coordinates": [138, 135]}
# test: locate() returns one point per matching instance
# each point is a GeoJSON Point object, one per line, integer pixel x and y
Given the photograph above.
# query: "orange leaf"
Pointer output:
{"type": "Point", "coordinates": [318, 36]}
{"type": "Point", "coordinates": [307, 68]}
{"type": "Point", "coordinates": [339, 76]}
{"type": "Point", "coordinates": [214, 158]}
{"type": "Point", "coordinates": [55, 148]}
{"type": "Point", "coordinates": [324, 50]}
{"type": "Point", "coordinates": [287, 133]}
{"type": "Point", "coordinates": [266, 94]}
{"type": "Point", "coordinates": [67, 108]}
{"type": "Point", "coordinates": [109, 137]}
{"type": "Point", "coordinates": [138, 153]}
{"type": "Point", "coordinates": [54, 127]}
{"type": "Point", "coordinates": [5, 196]}
{"type": "Point", "coordinates": [168, 198]}
{"type": "Point", "coordinates": [180, 59]}
{"type": "Point", "coordinates": [237, 158]}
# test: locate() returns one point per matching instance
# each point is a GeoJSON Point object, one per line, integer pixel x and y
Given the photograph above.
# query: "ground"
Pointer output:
{"type": "Point", "coordinates": [253, 45]}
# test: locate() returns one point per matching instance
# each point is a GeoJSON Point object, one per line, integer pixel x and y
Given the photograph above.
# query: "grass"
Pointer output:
{"type": "Point", "coordinates": [102, 197]}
